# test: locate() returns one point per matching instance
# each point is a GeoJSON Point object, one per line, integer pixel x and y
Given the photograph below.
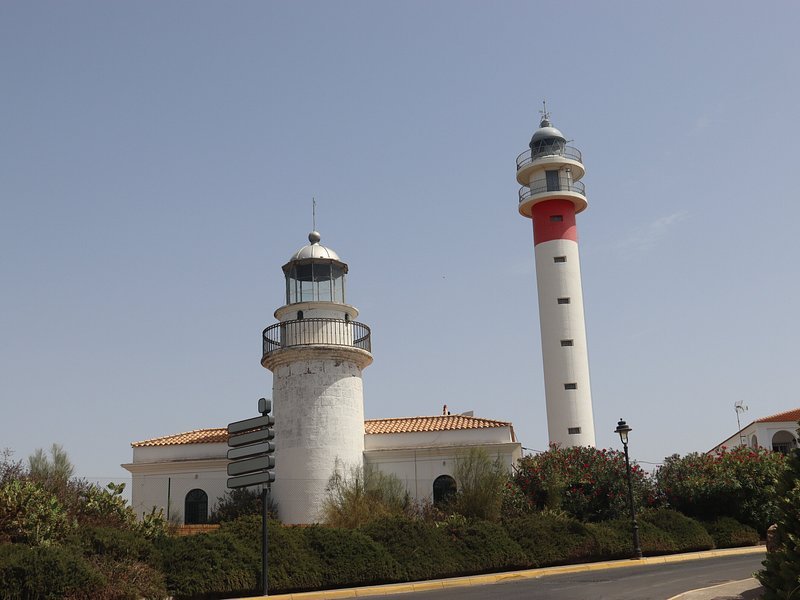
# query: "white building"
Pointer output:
{"type": "Point", "coordinates": [185, 474]}
{"type": "Point", "coordinates": [777, 432]}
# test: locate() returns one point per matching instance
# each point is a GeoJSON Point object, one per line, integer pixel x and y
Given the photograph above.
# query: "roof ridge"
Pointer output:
{"type": "Point", "coordinates": [437, 417]}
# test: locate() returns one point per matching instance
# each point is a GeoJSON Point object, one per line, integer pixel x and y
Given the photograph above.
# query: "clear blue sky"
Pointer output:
{"type": "Point", "coordinates": [158, 160]}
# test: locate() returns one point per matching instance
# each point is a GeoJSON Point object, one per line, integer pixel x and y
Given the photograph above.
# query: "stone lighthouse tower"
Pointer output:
{"type": "Point", "coordinates": [552, 194]}
{"type": "Point", "coordinates": [316, 353]}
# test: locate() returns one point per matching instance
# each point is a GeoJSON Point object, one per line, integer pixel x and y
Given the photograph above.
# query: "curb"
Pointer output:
{"type": "Point", "coordinates": [739, 587]}
{"type": "Point", "coordinates": [473, 580]}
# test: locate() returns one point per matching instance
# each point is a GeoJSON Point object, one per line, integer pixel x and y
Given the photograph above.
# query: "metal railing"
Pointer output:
{"type": "Point", "coordinates": [308, 332]}
{"type": "Point", "coordinates": [567, 152]}
{"type": "Point", "coordinates": [565, 185]}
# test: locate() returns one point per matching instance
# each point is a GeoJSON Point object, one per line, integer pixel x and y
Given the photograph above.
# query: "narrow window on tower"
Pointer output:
{"type": "Point", "coordinates": [563, 300]}
{"type": "Point", "coordinates": [570, 386]}
{"type": "Point", "coordinates": [556, 218]}
{"type": "Point", "coordinates": [573, 430]}
{"type": "Point", "coordinates": [559, 259]}
{"type": "Point", "coordinates": [299, 315]}
{"type": "Point", "coordinates": [567, 343]}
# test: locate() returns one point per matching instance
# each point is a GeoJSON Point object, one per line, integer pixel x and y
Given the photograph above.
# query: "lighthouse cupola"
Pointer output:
{"type": "Point", "coordinates": [547, 140]}
{"type": "Point", "coordinates": [315, 274]}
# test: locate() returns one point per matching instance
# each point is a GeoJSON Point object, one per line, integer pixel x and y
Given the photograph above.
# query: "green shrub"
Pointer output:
{"type": "Point", "coordinates": [349, 557]}
{"type": "Point", "coordinates": [481, 482]}
{"type": "Point", "coordinates": [113, 543]}
{"type": "Point", "coordinates": [127, 580]}
{"type": "Point", "coordinates": [730, 533]}
{"type": "Point", "coordinates": [46, 572]}
{"type": "Point", "coordinates": [485, 547]}
{"type": "Point", "coordinates": [515, 503]}
{"type": "Point", "coordinates": [362, 494]}
{"type": "Point", "coordinates": [290, 566]}
{"type": "Point", "coordinates": [227, 562]}
{"type": "Point", "coordinates": [739, 483]}
{"type": "Point", "coordinates": [550, 539]}
{"type": "Point", "coordinates": [689, 535]}
{"type": "Point", "coordinates": [616, 539]}
{"type": "Point", "coordinates": [781, 574]}
{"type": "Point", "coordinates": [30, 514]}
{"type": "Point", "coordinates": [209, 564]}
{"type": "Point", "coordinates": [588, 483]}
{"type": "Point", "coordinates": [421, 549]}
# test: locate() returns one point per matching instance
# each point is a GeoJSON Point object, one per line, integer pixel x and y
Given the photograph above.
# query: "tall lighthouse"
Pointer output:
{"type": "Point", "coordinates": [316, 352]}
{"type": "Point", "coordinates": [551, 195]}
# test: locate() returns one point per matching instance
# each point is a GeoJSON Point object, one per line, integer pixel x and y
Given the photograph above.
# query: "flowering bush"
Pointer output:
{"type": "Point", "coordinates": [739, 483]}
{"type": "Point", "coordinates": [587, 483]}
{"type": "Point", "coordinates": [781, 574]}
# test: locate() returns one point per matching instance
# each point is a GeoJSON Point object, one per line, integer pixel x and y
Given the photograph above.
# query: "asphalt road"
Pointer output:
{"type": "Point", "coordinates": [651, 582]}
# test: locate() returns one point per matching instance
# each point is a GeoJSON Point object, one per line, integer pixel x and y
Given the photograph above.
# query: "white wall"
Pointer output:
{"type": "Point", "coordinates": [319, 420]}
{"type": "Point", "coordinates": [565, 408]}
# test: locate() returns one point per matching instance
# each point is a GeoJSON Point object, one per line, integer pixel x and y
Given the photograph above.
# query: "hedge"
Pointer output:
{"type": "Point", "coordinates": [689, 535]}
{"type": "Point", "coordinates": [730, 533]}
{"type": "Point", "coordinates": [45, 573]}
{"type": "Point", "coordinates": [549, 540]}
{"type": "Point", "coordinates": [103, 563]}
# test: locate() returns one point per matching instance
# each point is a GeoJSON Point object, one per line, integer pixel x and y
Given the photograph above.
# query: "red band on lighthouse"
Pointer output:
{"type": "Point", "coordinates": [554, 220]}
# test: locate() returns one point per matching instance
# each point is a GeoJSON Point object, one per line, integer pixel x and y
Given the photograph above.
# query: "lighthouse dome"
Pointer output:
{"type": "Point", "coordinates": [547, 132]}
{"type": "Point", "coordinates": [314, 250]}
{"type": "Point", "coordinates": [547, 140]}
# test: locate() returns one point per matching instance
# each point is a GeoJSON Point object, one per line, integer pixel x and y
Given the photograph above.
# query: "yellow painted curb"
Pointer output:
{"type": "Point", "coordinates": [435, 584]}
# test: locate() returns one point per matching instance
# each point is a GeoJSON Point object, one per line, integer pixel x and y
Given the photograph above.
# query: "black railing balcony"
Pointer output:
{"type": "Point", "coordinates": [564, 185]}
{"type": "Point", "coordinates": [566, 151]}
{"type": "Point", "coordinates": [310, 332]}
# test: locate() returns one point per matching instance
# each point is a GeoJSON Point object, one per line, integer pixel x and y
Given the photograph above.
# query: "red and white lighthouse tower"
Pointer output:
{"type": "Point", "coordinates": [552, 194]}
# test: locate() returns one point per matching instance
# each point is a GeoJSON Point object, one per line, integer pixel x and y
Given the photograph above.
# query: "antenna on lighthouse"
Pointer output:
{"type": "Point", "coordinates": [544, 113]}
{"type": "Point", "coordinates": [313, 213]}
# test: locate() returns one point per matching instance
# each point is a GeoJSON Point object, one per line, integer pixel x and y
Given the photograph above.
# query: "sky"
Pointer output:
{"type": "Point", "coordinates": [158, 162]}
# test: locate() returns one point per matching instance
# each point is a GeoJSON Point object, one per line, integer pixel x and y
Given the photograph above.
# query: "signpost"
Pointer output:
{"type": "Point", "coordinates": [251, 463]}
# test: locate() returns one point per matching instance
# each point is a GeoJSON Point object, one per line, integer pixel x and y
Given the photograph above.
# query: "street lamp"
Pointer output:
{"type": "Point", "coordinates": [623, 429]}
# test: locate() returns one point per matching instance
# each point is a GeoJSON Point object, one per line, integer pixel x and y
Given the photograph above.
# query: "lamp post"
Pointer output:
{"type": "Point", "coordinates": [623, 429]}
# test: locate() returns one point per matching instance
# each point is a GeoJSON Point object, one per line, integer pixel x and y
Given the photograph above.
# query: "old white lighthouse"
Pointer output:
{"type": "Point", "coordinates": [552, 194]}
{"type": "Point", "coordinates": [316, 353]}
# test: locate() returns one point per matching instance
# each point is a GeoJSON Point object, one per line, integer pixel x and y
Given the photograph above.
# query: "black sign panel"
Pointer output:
{"type": "Point", "coordinates": [250, 465]}
{"type": "Point", "coordinates": [251, 479]}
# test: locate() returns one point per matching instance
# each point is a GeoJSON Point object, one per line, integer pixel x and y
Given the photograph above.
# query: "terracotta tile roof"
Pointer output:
{"type": "Point", "coordinates": [197, 436]}
{"type": "Point", "coordinates": [437, 423]}
{"type": "Point", "coordinates": [789, 415]}
{"type": "Point", "coordinates": [371, 426]}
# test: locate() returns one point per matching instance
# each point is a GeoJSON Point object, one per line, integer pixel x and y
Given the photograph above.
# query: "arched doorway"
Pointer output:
{"type": "Point", "coordinates": [783, 441]}
{"type": "Point", "coordinates": [444, 488]}
{"type": "Point", "coordinates": [196, 507]}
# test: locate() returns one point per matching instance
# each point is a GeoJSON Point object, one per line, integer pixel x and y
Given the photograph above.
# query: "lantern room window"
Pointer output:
{"type": "Point", "coordinates": [315, 281]}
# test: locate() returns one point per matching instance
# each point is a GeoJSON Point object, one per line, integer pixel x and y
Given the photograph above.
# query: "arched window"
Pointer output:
{"type": "Point", "coordinates": [754, 442]}
{"type": "Point", "coordinates": [444, 487]}
{"type": "Point", "coordinates": [783, 441]}
{"type": "Point", "coordinates": [195, 507]}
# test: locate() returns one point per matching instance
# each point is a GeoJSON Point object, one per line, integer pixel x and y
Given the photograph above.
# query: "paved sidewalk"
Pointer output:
{"type": "Point", "coordinates": [746, 589]}
{"type": "Point", "coordinates": [398, 588]}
